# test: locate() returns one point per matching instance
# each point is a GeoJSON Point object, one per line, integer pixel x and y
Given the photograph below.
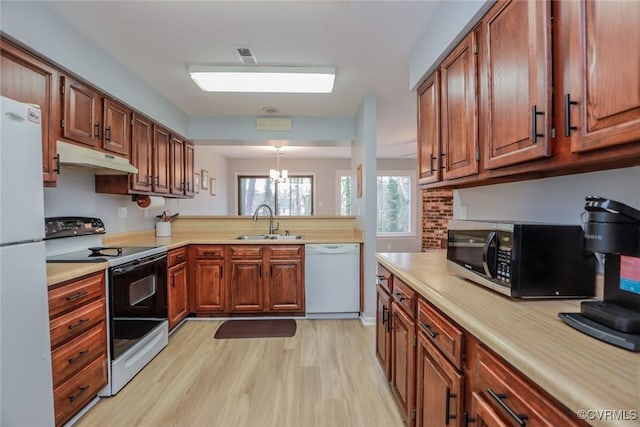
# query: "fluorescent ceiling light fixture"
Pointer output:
{"type": "Point", "coordinates": [264, 79]}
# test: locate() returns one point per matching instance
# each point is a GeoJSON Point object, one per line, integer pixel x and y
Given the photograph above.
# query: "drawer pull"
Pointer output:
{"type": "Point", "coordinates": [75, 359]}
{"type": "Point", "coordinates": [209, 253]}
{"type": "Point", "coordinates": [400, 297]}
{"type": "Point", "coordinates": [76, 295]}
{"type": "Point", "coordinates": [80, 323]}
{"type": "Point", "coordinates": [447, 406]}
{"type": "Point", "coordinates": [79, 393]}
{"type": "Point", "coordinates": [381, 278]}
{"type": "Point", "coordinates": [519, 418]}
{"type": "Point", "coordinates": [180, 258]}
{"type": "Point", "coordinates": [427, 329]}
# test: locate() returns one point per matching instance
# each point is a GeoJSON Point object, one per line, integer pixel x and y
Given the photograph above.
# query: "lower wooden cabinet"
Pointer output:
{"type": "Point", "coordinates": [403, 342]}
{"type": "Point", "coordinates": [207, 279]}
{"type": "Point", "coordinates": [178, 307]}
{"type": "Point", "coordinates": [246, 289]}
{"type": "Point", "coordinates": [77, 318]}
{"type": "Point", "coordinates": [284, 290]}
{"type": "Point", "coordinates": [383, 330]}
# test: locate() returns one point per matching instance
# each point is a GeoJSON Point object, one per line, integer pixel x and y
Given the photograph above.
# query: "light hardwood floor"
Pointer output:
{"type": "Point", "coordinates": [325, 376]}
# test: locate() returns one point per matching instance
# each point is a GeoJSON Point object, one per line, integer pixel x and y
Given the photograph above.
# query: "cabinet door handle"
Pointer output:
{"type": "Point", "coordinates": [431, 159]}
{"type": "Point", "coordinates": [519, 418]}
{"type": "Point", "coordinates": [57, 169]}
{"type": "Point", "coordinates": [384, 318]}
{"type": "Point", "coordinates": [221, 271]}
{"type": "Point", "coordinates": [96, 130]}
{"type": "Point", "coordinates": [75, 359]}
{"type": "Point", "coordinates": [149, 180]}
{"type": "Point", "coordinates": [107, 134]}
{"type": "Point", "coordinates": [400, 297]}
{"type": "Point", "coordinates": [467, 419]}
{"type": "Point", "coordinates": [534, 124]}
{"type": "Point", "coordinates": [76, 295]}
{"type": "Point", "coordinates": [173, 280]}
{"type": "Point", "coordinates": [567, 114]}
{"type": "Point", "coordinates": [442, 162]}
{"type": "Point", "coordinates": [427, 329]}
{"type": "Point", "coordinates": [80, 392]}
{"type": "Point", "coordinates": [260, 270]}
{"type": "Point", "coordinates": [447, 406]}
{"type": "Point", "coordinates": [79, 323]}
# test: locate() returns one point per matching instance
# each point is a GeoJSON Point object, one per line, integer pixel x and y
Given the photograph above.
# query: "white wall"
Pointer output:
{"type": "Point", "coordinates": [364, 153]}
{"type": "Point", "coordinates": [36, 25]}
{"type": "Point", "coordinates": [558, 200]}
{"type": "Point", "coordinates": [75, 196]}
{"type": "Point", "coordinates": [203, 202]}
{"type": "Point", "coordinates": [324, 170]}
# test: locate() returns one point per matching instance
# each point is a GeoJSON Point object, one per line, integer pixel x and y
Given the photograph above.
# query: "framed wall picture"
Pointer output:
{"type": "Point", "coordinates": [359, 181]}
{"type": "Point", "coordinates": [212, 187]}
{"type": "Point", "coordinates": [196, 182]}
{"type": "Point", "coordinates": [204, 182]}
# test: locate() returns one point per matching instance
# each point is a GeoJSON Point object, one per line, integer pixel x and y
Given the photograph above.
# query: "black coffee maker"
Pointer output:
{"type": "Point", "coordinates": [613, 229]}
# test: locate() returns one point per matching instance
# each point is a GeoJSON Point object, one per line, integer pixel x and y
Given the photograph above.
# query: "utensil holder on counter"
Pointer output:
{"type": "Point", "coordinates": [163, 229]}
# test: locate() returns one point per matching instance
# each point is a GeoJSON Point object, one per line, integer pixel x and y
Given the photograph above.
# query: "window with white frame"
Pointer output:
{"type": "Point", "coordinates": [291, 197]}
{"type": "Point", "coordinates": [395, 201]}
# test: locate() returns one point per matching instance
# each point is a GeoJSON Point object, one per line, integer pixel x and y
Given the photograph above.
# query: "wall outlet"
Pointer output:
{"type": "Point", "coordinates": [122, 212]}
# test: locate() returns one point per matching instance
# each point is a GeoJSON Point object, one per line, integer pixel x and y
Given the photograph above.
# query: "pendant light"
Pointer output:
{"type": "Point", "coordinates": [277, 174]}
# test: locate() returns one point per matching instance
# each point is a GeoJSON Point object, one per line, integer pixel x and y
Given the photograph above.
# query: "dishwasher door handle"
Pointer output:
{"type": "Point", "coordinates": [330, 249]}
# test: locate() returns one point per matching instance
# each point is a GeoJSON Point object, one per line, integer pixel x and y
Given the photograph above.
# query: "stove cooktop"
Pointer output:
{"type": "Point", "coordinates": [110, 254]}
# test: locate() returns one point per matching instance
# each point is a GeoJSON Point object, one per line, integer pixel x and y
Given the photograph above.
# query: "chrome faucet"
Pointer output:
{"type": "Point", "coordinates": [272, 229]}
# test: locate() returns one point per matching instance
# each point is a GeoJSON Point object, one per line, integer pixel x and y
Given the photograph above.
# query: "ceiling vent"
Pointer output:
{"type": "Point", "coordinates": [246, 56]}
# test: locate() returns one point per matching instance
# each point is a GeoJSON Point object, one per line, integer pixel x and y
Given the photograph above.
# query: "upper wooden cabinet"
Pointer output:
{"type": "Point", "coordinates": [142, 152]}
{"type": "Point", "coordinates": [161, 159]}
{"type": "Point", "coordinates": [25, 78]}
{"type": "Point", "coordinates": [82, 112]}
{"type": "Point", "coordinates": [516, 79]}
{"type": "Point", "coordinates": [429, 130]}
{"type": "Point", "coordinates": [459, 110]}
{"type": "Point", "coordinates": [189, 159]}
{"type": "Point", "coordinates": [599, 73]}
{"type": "Point", "coordinates": [117, 128]}
{"type": "Point", "coordinates": [177, 165]}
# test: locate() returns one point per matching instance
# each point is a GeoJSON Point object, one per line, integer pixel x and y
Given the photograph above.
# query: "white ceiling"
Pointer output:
{"type": "Point", "coordinates": [368, 42]}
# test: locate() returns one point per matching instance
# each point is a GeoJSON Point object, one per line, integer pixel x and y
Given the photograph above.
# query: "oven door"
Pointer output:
{"type": "Point", "coordinates": [139, 288]}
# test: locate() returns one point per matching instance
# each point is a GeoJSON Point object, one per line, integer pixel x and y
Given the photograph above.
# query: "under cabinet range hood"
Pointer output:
{"type": "Point", "coordinates": [102, 163]}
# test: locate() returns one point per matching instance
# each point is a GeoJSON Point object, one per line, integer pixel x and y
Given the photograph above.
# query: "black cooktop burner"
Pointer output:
{"type": "Point", "coordinates": [97, 254]}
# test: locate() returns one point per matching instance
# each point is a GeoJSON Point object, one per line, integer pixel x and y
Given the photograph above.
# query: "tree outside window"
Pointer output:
{"type": "Point", "coordinates": [291, 197]}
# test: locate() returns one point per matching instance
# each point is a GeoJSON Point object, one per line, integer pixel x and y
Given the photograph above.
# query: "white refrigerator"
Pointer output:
{"type": "Point", "coordinates": [26, 389]}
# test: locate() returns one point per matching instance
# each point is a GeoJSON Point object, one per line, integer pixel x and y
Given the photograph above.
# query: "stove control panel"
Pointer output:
{"type": "Point", "coordinates": [69, 226]}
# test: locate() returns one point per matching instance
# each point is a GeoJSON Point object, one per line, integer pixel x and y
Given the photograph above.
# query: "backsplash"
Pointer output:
{"type": "Point", "coordinates": [75, 196]}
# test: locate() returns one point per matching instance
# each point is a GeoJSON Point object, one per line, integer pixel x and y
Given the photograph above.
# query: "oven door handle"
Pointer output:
{"type": "Point", "coordinates": [123, 270]}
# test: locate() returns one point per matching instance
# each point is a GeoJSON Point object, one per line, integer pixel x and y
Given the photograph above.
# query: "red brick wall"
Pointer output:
{"type": "Point", "coordinates": [437, 210]}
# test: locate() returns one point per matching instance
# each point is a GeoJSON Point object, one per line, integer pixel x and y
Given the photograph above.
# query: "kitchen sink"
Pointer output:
{"type": "Point", "coordinates": [269, 237]}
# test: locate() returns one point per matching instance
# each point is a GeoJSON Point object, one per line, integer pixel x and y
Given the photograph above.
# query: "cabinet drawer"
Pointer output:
{"type": "Point", "coordinates": [176, 256]}
{"type": "Point", "coordinates": [384, 278]}
{"type": "Point", "coordinates": [404, 296]}
{"type": "Point", "coordinates": [76, 322]}
{"type": "Point", "coordinates": [441, 332]}
{"type": "Point", "coordinates": [78, 353]}
{"type": "Point", "coordinates": [286, 252]}
{"type": "Point", "coordinates": [207, 251]}
{"type": "Point", "coordinates": [76, 293]}
{"type": "Point", "coordinates": [511, 395]}
{"type": "Point", "coordinates": [70, 396]}
{"type": "Point", "coordinates": [246, 251]}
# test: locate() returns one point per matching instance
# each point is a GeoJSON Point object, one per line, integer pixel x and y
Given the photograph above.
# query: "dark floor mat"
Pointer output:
{"type": "Point", "coordinates": [256, 329]}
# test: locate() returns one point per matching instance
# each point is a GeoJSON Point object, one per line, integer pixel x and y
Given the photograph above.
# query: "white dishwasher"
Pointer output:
{"type": "Point", "coordinates": [332, 281]}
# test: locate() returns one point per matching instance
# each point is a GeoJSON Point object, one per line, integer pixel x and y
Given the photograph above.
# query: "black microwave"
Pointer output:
{"type": "Point", "coordinates": [522, 259]}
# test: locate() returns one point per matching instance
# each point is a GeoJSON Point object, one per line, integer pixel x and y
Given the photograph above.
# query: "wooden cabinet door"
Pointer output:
{"type": "Point", "coordinates": [403, 338]}
{"type": "Point", "coordinates": [285, 290]}
{"type": "Point", "coordinates": [429, 130]}
{"type": "Point", "coordinates": [141, 153]}
{"type": "Point", "coordinates": [177, 166]}
{"type": "Point", "coordinates": [161, 159]}
{"type": "Point", "coordinates": [439, 388]}
{"type": "Point", "coordinates": [383, 331]}
{"type": "Point", "coordinates": [189, 158]}
{"type": "Point", "coordinates": [601, 73]}
{"type": "Point", "coordinates": [208, 278]}
{"type": "Point", "coordinates": [117, 128]}
{"type": "Point", "coordinates": [516, 75]}
{"type": "Point", "coordinates": [459, 111]}
{"type": "Point", "coordinates": [82, 113]}
{"type": "Point", "coordinates": [27, 79]}
{"type": "Point", "coordinates": [246, 291]}
{"type": "Point", "coordinates": [177, 303]}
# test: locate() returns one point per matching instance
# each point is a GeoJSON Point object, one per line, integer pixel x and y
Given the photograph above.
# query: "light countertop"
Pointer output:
{"type": "Point", "coordinates": [579, 371]}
